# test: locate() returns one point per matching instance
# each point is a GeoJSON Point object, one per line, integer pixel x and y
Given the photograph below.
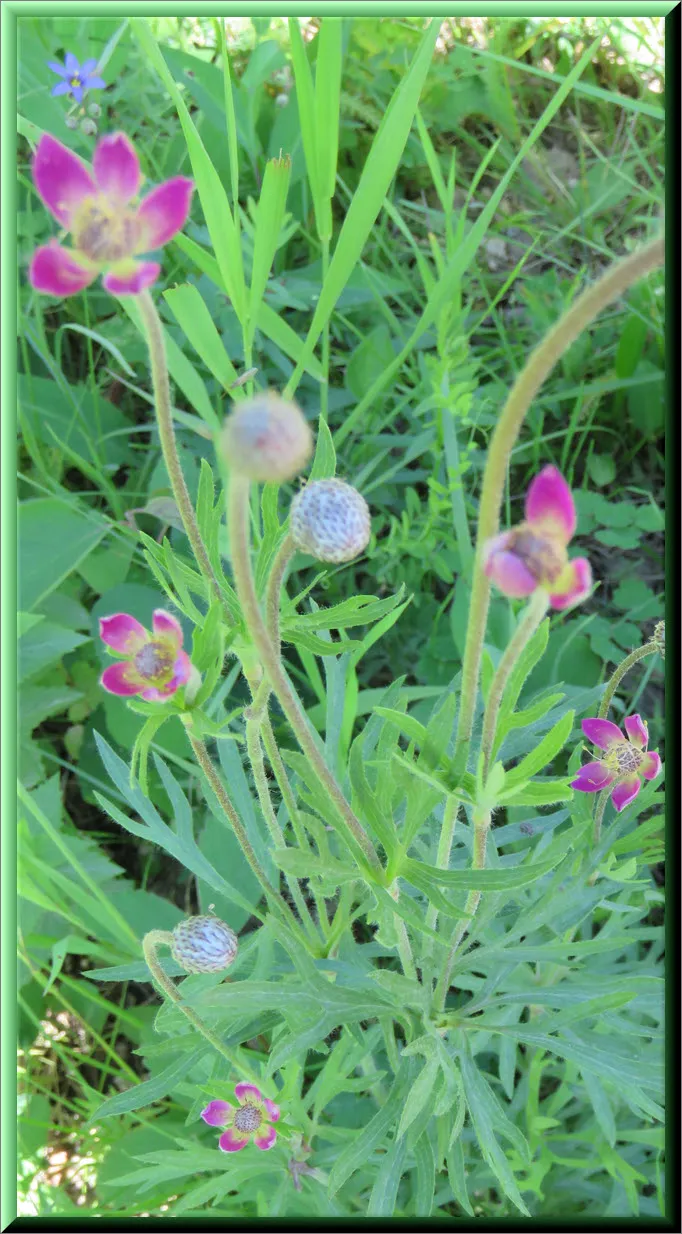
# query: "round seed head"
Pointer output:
{"type": "Point", "coordinates": [203, 945]}
{"type": "Point", "coordinates": [267, 439]}
{"type": "Point", "coordinates": [330, 520]}
{"type": "Point", "coordinates": [88, 127]}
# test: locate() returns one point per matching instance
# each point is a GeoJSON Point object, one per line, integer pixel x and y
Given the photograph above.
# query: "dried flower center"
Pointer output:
{"type": "Point", "coordinates": [544, 557]}
{"type": "Point", "coordinates": [622, 758]}
{"type": "Point", "coordinates": [248, 1118]}
{"type": "Point", "coordinates": [155, 661]}
{"type": "Point", "coordinates": [105, 232]}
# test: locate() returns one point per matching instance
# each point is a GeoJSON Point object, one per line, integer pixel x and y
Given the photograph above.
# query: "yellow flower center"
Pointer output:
{"type": "Point", "coordinates": [248, 1118]}
{"type": "Point", "coordinates": [75, 81]}
{"type": "Point", "coordinates": [622, 758]}
{"type": "Point", "coordinates": [155, 662]}
{"type": "Point", "coordinates": [545, 556]}
{"type": "Point", "coordinates": [105, 231]}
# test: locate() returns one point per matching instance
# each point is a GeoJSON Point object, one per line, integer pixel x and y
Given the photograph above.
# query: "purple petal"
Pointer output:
{"type": "Point", "coordinates": [248, 1092]}
{"type": "Point", "coordinates": [94, 83]}
{"type": "Point", "coordinates": [60, 178]}
{"type": "Point", "coordinates": [166, 623]}
{"type": "Point", "coordinates": [573, 585]}
{"type": "Point", "coordinates": [509, 572]}
{"type": "Point", "coordinates": [59, 69]}
{"type": "Point", "coordinates": [117, 167]}
{"type": "Point", "coordinates": [164, 212]}
{"type": "Point", "coordinates": [71, 64]}
{"type": "Point", "coordinates": [218, 1113]}
{"type": "Point", "coordinates": [550, 506]}
{"type": "Point", "coordinates": [625, 792]}
{"type": "Point", "coordinates": [123, 633]}
{"type": "Point", "coordinates": [59, 272]}
{"type": "Point", "coordinates": [230, 1142]}
{"type": "Point", "coordinates": [592, 777]}
{"type": "Point", "coordinates": [650, 765]}
{"type": "Point", "coordinates": [266, 1139]}
{"type": "Point", "coordinates": [637, 731]}
{"type": "Point", "coordinates": [601, 733]}
{"type": "Point", "coordinates": [88, 66]}
{"type": "Point", "coordinates": [121, 679]}
{"type": "Point", "coordinates": [77, 93]}
{"type": "Point", "coordinates": [272, 1109]}
{"type": "Point", "coordinates": [130, 278]}
{"type": "Point", "coordinates": [62, 87]}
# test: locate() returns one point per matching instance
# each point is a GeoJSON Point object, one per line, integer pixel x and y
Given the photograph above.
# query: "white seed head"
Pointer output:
{"type": "Point", "coordinates": [203, 945]}
{"type": "Point", "coordinates": [267, 439]}
{"type": "Point", "coordinates": [330, 520]}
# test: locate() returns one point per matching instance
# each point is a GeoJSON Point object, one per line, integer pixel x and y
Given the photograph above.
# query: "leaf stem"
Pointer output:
{"type": "Point", "coordinates": [527, 626]}
{"type": "Point", "coordinates": [481, 829]}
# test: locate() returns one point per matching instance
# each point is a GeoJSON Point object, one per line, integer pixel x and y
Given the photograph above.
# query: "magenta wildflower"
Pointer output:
{"type": "Point", "coordinates": [533, 554]}
{"type": "Point", "coordinates": [78, 77]}
{"type": "Point", "coordinates": [251, 1120]}
{"type": "Point", "coordinates": [109, 230]}
{"type": "Point", "coordinates": [625, 760]}
{"type": "Point", "coordinates": [155, 665]}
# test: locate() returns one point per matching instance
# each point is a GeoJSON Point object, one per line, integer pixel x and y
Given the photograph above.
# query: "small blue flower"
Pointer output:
{"type": "Point", "coordinates": [79, 77]}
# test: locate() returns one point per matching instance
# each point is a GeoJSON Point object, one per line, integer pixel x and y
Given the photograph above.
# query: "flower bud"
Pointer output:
{"type": "Point", "coordinates": [95, 111]}
{"type": "Point", "coordinates": [71, 122]}
{"type": "Point", "coordinates": [203, 945]}
{"type": "Point", "coordinates": [267, 439]}
{"type": "Point", "coordinates": [330, 520]}
{"type": "Point", "coordinates": [659, 638]}
{"type": "Point", "coordinates": [88, 127]}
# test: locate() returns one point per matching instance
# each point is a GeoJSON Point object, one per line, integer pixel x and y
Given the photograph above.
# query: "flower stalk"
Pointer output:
{"type": "Point", "coordinates": [481, 829]}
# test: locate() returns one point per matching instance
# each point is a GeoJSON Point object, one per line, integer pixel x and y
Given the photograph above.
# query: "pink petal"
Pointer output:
{"type": "Point", "coordinates": [121, 679]}
{"type": "Point", "coordinates": [509, 573]}
{"type": "Point", "coordinates": [625, 792]}
{"type": "Point", "coordinates": [266, 1139]}
{"type": "Point", "coordinates": [117, 167]}
{"type": "Point", "coordinates": [248, 1092]}
{"type": "Point", "coordinates": [122, 632]}
{"type": "Point", "coordinates": [165, 623]}
{"type": "Point", "coordinates": [181, 674]}
{"type": "Point", "coordinates": [230, 1142]}
{"type": "Point", "coordinates": [637, 731]}
{"type": "Point", "coordinates": [164, 212]}
{"type": "Point", "coordinates": [550, 506]}
{"type": "Point", "coordinates": [573, 585]}
{"type": "Point", "coordinates": [650, 765]}
{"type": "Point", "coordinates": [59, 272]}
{"type": "Point", "coordinates": [272, 1109]}
{"type": "Point", "coordinates": [218, 1113]}
{"type": "Point", "coordinates": [592, 777]}
{"type": "Point", "coordinates": [130, 278]}
{"type": "Point", "coordinates": [60, 178]}
{"type": "Point", "coordinates": [601, 733]}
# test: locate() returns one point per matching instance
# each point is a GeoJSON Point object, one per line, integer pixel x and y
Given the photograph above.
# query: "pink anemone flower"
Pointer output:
{"type": "Point", "coordinates": [109, 230]}
{"type": "Point", "coordinates": [624, 762]}
{"type": "Point", "coordinates": [251, 1120]}
{"type": "Point", "coordinates": [533, 554]}
{"type": "Point", "coordinates": [155, 665]}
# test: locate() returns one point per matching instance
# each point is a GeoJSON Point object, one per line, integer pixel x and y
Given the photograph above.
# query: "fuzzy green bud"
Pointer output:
{"type": "Point", "coordinates": [330, 520]}
{"type": "Point", "coordinates": [203, 945]}
{"type": "Point", "coordinates": [659, 638]}
{"type": "Point", "coordinates": [267, 439]}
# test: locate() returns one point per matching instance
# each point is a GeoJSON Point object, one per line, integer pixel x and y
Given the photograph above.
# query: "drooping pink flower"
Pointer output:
{"type": "Point", "coordinates": [251, 1120]}
{"type": "Point", "coordinates": [533, 554]}
{"type": "Point", "coordinates": [110, 231]}
{"type": "Point", "coordinates": [155, 665]}
{"type": "Point", "coordinates": [625, 760]}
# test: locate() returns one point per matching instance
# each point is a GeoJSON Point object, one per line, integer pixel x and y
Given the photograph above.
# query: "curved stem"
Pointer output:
{"type": "Point", "coordinates": [617, 279]}
{"type": "Point", "coordinates": [162, 400]}
{"type": "Point", "coordinates": [241, 565]}
{"type": "Point", "coordinates": [647, 649]}
{"type": "Point", "coordinates": [273, 592]}
{"type": "Point", "coordinates": [150, 945]}
{"type": "Point", "coordinates": [529, 623]}
{"type": "Point", "coordinates": [481, 829]}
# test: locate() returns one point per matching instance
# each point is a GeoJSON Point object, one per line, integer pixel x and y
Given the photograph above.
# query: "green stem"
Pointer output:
{"type": "Point", "coordinates": [162, 399]}
{"type": "Point", "coordinates": [241, 565]}
{"type": "Point", "coordinates": [481, 829]}
{"type": "Point", "coordinates": [647, 649]}
{"type": "Point", "coordinates": [324, 386]}
{"type": "Point", "coordinates": [527, 626]}
{"type": "Point", "coordinates": [599, 814]}
{"type": "Point", "coordinates": [273, 591]}
{"type": "Point", "coordinates": [447, 834]}
{"type": "Point", "coordinates": [150, 945]}
{"type": "Point", "coordinates": [617, 279]}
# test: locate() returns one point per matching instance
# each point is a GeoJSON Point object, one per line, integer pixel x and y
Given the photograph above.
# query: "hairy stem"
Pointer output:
{"type": "Point", "coordinates": [529, 623]}
{"type": "Point", "coordinates": [647, 649]}
{"type": "Point", "coordinates": [447, 834]}
{"type": "Point", "coordinates": [617, 279]}
{"type": "Point", "coordinates": [273, 591]}
{"type": "Point", "coordinates": [481, 829]}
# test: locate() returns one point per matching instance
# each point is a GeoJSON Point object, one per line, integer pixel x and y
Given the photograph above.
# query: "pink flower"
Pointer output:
{"type": "Point", "coordinates": [109, 231]}
{"type": "Point", "coordinates": [533, 554]}
{"type": "Point", "coordinates": [625, 760]}
{"type": "Point", "coordinates": [250, 1121]}
{"type": "Point", "coordinates": [155, 664]}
